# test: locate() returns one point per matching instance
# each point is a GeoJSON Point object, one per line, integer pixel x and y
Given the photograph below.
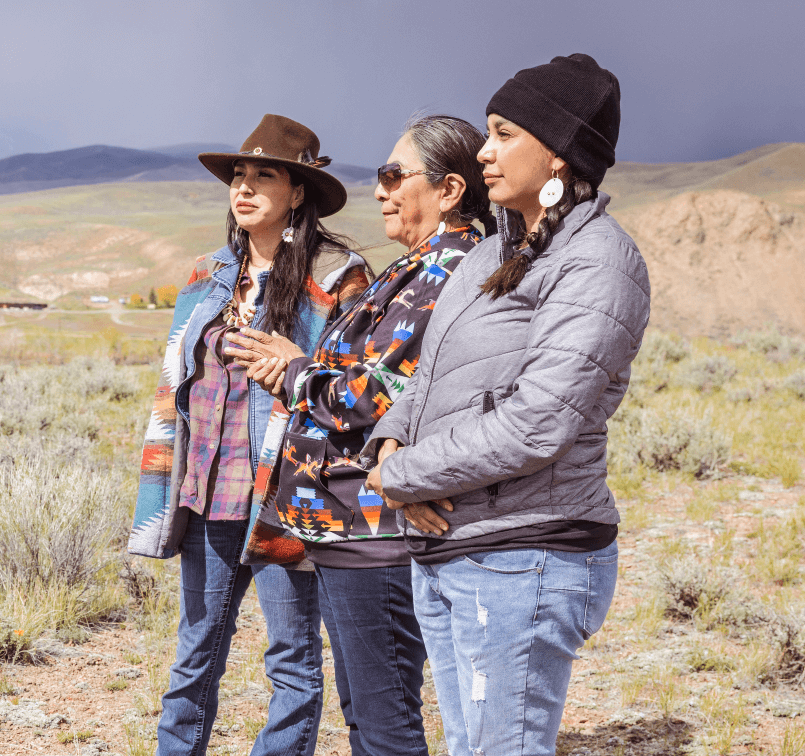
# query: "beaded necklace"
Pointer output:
{"type": "Point", "coordinates": [232, 317]}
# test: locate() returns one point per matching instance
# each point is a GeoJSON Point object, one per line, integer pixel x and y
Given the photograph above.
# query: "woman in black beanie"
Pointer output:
{"type": "Point", "coordinates": [526, 357]}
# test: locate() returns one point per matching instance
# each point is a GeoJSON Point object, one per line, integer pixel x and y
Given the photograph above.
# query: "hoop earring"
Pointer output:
{"type": "Point", "coordinates": [552, 192]}
{"type": "Point", "coordinates": [287, 234]}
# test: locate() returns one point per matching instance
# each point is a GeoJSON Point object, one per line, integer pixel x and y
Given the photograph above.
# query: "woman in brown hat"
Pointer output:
{"type": "Point", "coordinates": [281, 271]}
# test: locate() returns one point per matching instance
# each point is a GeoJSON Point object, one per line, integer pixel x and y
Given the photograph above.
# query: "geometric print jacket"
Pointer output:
{"type": "Point", "coordinates": [337, 278]}
{"type": "Point", "coordinates": [362, 365]}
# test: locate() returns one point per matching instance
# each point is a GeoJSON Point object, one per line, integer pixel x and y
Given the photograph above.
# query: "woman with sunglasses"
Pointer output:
{"type": "Point", "coordinates": [430, 190]}
{"type": "Point", "coordinates": [526, 357]}
{"type": "Point", "coordinates": [280, 270]}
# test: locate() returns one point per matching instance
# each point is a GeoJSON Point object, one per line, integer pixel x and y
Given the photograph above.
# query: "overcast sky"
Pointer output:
{"type": "Point", "coordinates": [699, 80]}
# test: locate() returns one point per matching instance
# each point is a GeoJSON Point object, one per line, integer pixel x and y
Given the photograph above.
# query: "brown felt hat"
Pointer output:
{"type": "Point", "coordinates": [280, 140]}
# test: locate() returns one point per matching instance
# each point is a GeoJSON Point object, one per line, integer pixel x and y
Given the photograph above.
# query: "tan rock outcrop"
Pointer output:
{"type": "Point", "coordinates": [721, 261]}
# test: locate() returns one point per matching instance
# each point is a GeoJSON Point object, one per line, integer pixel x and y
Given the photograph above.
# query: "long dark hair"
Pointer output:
{"type": "Point", "coordinates": [446, 144]}
{"type": "Point", "coordinates": [507, 277]}
{"type": "Point", "coordinates": [292, 263]}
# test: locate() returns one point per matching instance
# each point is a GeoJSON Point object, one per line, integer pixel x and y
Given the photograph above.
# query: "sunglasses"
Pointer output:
{"type": "Point", "coordinates": [390, 175]}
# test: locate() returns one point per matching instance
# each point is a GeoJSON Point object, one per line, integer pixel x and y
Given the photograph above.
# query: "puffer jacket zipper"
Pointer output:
{"type": "Point", "coordinates": [488, 406]}
{"type": "Point", "coordinates": [433, 366]}
{"type": "Point", "coordinates": [499, 246]}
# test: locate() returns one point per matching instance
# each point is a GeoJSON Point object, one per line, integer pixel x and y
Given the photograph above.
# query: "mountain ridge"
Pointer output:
{"type": "Point", "coordinates": [101, 164]}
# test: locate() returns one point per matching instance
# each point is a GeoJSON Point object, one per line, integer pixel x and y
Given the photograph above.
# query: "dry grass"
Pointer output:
{"type": "Point", "coordinates": [707, 409]}
{"type": "Point", "coordinates": [68, 440]}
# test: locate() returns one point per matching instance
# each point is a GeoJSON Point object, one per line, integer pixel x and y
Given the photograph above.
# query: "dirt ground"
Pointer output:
{"type": "Point", "coordinates": [102, 692]}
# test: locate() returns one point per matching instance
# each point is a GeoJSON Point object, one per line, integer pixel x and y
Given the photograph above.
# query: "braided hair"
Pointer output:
{"type": "Point", "coordinates": [508, 276]}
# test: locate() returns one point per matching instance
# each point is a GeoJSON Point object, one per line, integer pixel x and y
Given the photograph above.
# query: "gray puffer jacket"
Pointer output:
{"type": "Point", "coordinates": [507, 412]}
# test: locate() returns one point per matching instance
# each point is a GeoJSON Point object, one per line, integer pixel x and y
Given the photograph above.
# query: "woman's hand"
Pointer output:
{"type": "Point", "coordinates": [373, 481]}
{"type": "Point", "coordinates": [264, 357]}
{"type": "Point", "coordinates": [253, 345]}
{"type": "Point", "coordinates": [424, 517]}
{"type": "Point", "coordinates": [269, 374]}
{"type": "Point", "coordinates": [421, 515]}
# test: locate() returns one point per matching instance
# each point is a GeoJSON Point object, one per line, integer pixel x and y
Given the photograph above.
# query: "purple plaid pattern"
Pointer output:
{"type": "Point", "coordinates": [219, 477]}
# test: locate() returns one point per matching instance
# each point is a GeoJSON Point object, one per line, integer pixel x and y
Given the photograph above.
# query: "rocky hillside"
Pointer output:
{"type": "Point", "coordinates": [721, 261]}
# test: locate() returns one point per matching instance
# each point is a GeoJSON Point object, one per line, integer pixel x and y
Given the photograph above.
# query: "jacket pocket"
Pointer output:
{"type": "Point", "coordinates": [304, 504]}
{"type": "Point", "coordinates": [494, 489]}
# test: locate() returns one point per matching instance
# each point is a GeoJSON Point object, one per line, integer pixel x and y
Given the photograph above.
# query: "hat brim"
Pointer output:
{"type": "Point", "coordinates": [329, 193]}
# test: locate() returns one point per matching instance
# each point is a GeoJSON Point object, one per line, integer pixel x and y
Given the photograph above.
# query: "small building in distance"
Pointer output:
{"type": "Point", "coordinates": [99, 299]}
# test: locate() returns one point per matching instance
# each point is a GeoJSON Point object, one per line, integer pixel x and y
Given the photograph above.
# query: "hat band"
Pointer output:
{"type": "Point", "coordinates": [319, 162]}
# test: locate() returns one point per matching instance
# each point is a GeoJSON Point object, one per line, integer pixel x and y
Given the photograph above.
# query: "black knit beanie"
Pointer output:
{"type": "Point", "coordinates": [572, 106]}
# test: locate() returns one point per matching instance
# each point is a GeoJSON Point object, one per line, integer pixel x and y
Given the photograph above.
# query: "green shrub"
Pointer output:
{"type": "Point", "coordinates": [74, 737]}
{"type": "Point", "coordinates": [93, 377]}
{"type": "Point", "coordinates": [796, 384]}
{"type": "Point", "coordinates": [786, 636]}
{"type": "Point", "coordinates": [61, 399]}
{"type": "Point", "coordinates": [660, 348]}
{"type": "Point", "coordinates": [751, 393]}
{"type": "Point", "coordinates": [706, 660]}
{"type": "Point", "coordinates": [56, 521]}
{"type": "Point", "coordinates": [709, 373]}
{"type": "Point", "coordinates": [772, 343]}
{"type": "Point", "coordinates": [70, 437]}
{"type": "Point", "coordinates": [692, 587]}
{"type": "Point", "coordinates": [673, 441]}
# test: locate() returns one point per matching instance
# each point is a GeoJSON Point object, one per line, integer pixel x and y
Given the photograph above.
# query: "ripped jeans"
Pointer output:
{"type": "Point", "coordinates": [501, 630]}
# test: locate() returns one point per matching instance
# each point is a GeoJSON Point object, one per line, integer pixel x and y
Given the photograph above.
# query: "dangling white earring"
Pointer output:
{"type": "Point", "coordinates": [442, 228]}
{"type": "Point", "coordinates": [287, 234]}
{"type": "Point", "coordinates": [552, 192]}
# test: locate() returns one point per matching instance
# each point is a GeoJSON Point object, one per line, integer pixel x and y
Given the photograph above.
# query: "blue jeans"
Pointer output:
{"type": "Point", "coordinates": [502, 629]}
{"type": "Point", "coordinates": [213, 584]}
{"type": "Point", "coordinates": [379, 657]}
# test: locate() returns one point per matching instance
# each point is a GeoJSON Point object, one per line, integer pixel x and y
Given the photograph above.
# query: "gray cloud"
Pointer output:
{"type": "Point", "coordinates": [700, 80]}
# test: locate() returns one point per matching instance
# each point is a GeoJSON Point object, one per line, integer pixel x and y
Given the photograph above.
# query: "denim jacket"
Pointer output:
{"type": "Point", "coordinates": [260, 401]}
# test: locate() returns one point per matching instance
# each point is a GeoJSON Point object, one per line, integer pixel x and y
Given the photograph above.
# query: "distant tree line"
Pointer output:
{"type": "Point", "coordinates": [162, 296]}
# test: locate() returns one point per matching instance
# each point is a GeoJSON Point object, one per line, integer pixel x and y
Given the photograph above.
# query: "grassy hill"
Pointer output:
{"type": "Point", "coordinates": [116, 239]}
{"type": "Point", "coordinates": [776, 171]}
{"type": "Point", "coordinates": [723, 239]}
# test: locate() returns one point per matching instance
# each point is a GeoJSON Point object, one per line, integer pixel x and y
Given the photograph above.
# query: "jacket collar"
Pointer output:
{"type": "Point", "coordinates": [225, 255]}
{"type": "Point", "coordinates": [227, 273]}
{"type": "Point", "coordinates": [509, 221]}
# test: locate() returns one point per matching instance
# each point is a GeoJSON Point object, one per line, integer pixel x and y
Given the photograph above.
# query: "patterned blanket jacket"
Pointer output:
{"type": "Point", "coordinates": [364, 362]}
{"type": "Point", "coordinates": [337, 279]}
